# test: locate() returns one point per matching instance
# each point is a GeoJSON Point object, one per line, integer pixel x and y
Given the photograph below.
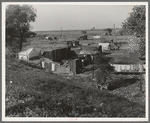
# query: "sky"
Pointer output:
{"type": "Point", "coordinates": [77, 17]}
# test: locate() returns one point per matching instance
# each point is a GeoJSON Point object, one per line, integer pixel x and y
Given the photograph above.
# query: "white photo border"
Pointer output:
{"type": "Point", "coordinates": [136, 119]}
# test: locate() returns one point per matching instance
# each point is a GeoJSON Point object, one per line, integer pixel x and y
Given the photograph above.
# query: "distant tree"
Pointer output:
{"type": "Point", "coordinates": [104, 71]}
{"type": "Point", "coordinates": [18, 18]}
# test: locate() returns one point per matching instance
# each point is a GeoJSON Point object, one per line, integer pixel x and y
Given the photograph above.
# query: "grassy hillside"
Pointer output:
{"type": "Point", "coordinates": [33, 92]}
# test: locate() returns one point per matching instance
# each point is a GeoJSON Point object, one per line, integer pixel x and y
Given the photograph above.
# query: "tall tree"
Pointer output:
{"type": "Point", "coordinates": [18, 18]}
{"type": "Point", "coordinates": [135, 23]}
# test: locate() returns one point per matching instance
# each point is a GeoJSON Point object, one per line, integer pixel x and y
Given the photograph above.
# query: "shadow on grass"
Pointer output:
{"type": "Point", "coordinates": [121, 83]}
{"type": "Point", "coordinates": [107, 53]}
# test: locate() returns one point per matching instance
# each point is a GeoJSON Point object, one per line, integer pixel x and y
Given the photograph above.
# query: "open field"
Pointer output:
{"type": "Point", "coordinates": [34, 92]}
{"type": "Point", "coordinates": [40, 42]}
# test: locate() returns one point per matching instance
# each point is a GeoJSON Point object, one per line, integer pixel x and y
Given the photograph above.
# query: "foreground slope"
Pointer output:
{"type": "Point", "coordinates": [32, 92]}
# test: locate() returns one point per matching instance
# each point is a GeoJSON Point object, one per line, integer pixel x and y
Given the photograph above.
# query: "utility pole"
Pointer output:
{"type": "Point", "coordinates": [93, 69]}
{"type": "Point", "coordinates": [114, 28]}
{"type": "Point", "coordinates": [61, 31]}
{"type": "Point", "coordinates": [140, 82]}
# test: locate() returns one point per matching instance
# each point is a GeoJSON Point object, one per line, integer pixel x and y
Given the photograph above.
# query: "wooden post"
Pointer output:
{"type": "Point", "coordinates": [93, 70]}
{"type": "Point", "coordinates": [140, 82]}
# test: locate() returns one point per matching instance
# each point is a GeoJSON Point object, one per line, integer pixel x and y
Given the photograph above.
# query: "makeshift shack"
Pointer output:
{"type": "Point", "coordinates": [57, 55]}
{"type": "Point", "coordinates": [54, 66]}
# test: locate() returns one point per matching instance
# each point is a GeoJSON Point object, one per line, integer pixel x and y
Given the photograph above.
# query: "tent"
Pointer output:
{"type": "Point", "coordinates": [28, 54]}
{"type": "Point", "coordinates": [97, 36]}
{"type": "Point", "coordinates": [105, 46]}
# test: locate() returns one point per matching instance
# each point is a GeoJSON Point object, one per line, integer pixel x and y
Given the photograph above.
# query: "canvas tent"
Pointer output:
{"type": "Point", "coordinates": [28, 54]}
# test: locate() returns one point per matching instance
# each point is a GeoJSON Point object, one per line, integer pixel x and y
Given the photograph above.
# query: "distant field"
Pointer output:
{"type": "Point", "coordinates": [40, 42]}
{"type": "Point", "coordinates": [69, 33]}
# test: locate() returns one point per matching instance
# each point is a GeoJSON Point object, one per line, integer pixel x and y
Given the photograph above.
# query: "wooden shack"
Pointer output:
{"type": "Point", "coordinates": [54, 67]}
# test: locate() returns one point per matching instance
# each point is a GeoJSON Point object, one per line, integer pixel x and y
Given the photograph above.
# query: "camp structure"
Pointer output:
{"type": "Point", "coordinates": [96, 37]}
{"type": "Point", "coordinates": [105, 46]}
{"type": "Point", "coordinates": [91, 50]}
{"type": "Point", "coordinates": [57, 54]}
{"type": "Point", "coordinates": [74, 66]}
{"type": "Point", "coordinates": [28, 54]}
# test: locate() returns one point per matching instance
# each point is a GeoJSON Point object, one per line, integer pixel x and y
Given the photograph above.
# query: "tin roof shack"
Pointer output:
{"type": "Point", "coordinates": [60, 54]}
{"type": "Point", "coordinates": [29, 54]}
{"type": "Point", "coordinates": [57, 55]}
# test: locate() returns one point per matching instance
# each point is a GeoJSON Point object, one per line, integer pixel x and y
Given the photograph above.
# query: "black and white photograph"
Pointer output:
{"type": "Point", "coordinates": [75, 61]}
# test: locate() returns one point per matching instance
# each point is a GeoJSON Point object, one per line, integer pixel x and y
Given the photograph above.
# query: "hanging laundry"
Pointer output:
{"type": "Point", "coordinates": [123, 67]}
{"type": "Point", "coordinates": [119, 68]}
{"type": "Point", "coordinates": [127, 67]}
{"type": "Point", "coordinates": [131, 67]}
